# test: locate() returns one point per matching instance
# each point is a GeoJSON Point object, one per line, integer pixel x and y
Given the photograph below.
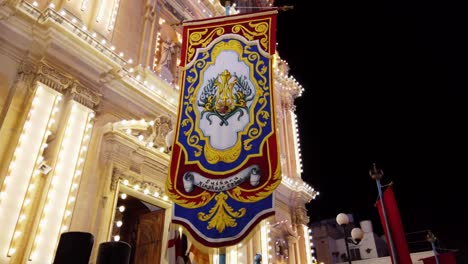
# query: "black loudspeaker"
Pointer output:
{"type": "Point", "coordinates": [114, 252]}
{"type": "Point", "coordinates": [74, 248]}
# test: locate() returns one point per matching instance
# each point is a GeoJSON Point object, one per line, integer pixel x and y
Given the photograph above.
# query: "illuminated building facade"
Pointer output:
{"type": "Point", "coordinates": [88, 96]}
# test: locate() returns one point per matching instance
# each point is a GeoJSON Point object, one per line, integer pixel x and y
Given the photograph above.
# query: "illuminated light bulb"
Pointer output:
{"type": "Point", "coordinates": [121, 208]}
{"type": "Point", "coordinates": [123, 196]}
{"type": "Point", "coordinates": [11, 251]}
{"type": "Point", "coordinates": [118, 223]}
{"type": "Point", "coordinates": [146, 191]}
{"type": "Point", "coordinates": [74, 20]}
{"type": "Point", "coordinates": [156, 194]}
{"type": "Point", "coordinates": [136, 187]}
{"type": "Point", "coordinates": [125, 182]}
{"type": "Point", "coordinates": [94, 35]}
{"type": "Point", "coordinates": [17, 234]}
{"type": "Point", "coordinates": [22, 217]}
{"type": "Point", "coordinates": [116, 238]}
{"type": "Point", "coordinates": [63, 12]}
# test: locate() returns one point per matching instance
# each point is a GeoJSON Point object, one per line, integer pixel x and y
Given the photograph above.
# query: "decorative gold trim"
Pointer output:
{"type": "Point", "coordinates": [221, 215]}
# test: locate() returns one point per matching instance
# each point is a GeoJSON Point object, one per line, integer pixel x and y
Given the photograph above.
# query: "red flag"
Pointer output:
{"type": "Point", "coordinates": [395, 226]}
{"type": "Point", "coordinates": [444, 258]}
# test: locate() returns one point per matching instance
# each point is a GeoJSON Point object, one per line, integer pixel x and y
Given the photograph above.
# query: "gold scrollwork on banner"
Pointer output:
{"type": "Point", "coordinates": [198, 39]}
{"type": "Point", "coordinates": [257, 29]}
{"type": "Point", "coordinates": [221, 215]}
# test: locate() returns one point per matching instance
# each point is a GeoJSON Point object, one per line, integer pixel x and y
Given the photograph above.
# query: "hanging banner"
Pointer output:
{"type": "Point", "coordinates": [225, 160]}
{"type": "Point", "coordinates": [396, 227]}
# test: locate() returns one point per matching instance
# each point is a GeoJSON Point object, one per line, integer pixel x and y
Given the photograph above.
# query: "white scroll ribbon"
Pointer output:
{"type": "Point", "coordinates": [192, 179]}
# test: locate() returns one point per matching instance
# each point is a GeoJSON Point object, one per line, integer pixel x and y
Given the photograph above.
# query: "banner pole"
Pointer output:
{"type": "Point", "coordinates": [227, 7]}
{"type": "Point", "coordinates": [389, 232]}
{"type": "Point", "coordinates": [377, 174]}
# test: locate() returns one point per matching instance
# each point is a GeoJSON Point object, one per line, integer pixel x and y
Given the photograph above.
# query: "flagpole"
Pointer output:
{"type": "Point", "coordinates": [432, 238]}
{"type": "Point", "coordinates": [377, 174]}
{"type": "Point", "coordinates": [227, 7]}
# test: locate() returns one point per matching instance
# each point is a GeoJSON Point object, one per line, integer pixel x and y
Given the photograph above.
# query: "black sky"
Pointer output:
{"type": "Point", "coordinates": [385, 82]}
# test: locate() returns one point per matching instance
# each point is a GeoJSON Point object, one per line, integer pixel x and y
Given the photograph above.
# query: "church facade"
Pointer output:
{"type": "Point", "coordinates": [89, 98]}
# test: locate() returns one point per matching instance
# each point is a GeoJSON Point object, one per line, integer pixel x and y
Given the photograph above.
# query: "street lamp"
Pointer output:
{"type": "Point", "coordinates": [377, 174]}
{"type": "Point", "coordinates": [356, 233]}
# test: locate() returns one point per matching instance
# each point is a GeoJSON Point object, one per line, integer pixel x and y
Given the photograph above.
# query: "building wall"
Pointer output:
{"type": "Point", "coordinates": [86, 104]}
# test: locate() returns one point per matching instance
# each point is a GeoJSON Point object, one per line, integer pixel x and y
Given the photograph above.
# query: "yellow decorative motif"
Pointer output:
{"type": "Point", "coordinates": [221, 215]}
{"type": "Point", "coordinates": [256, 29]}
{"type": "Point", "coordinates": [199, 40]}
{"type": "Point", "coordinates": [229, 155]}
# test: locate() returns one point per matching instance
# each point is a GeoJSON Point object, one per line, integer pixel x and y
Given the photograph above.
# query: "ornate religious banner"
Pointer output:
{"type": "Point", "coordinates": [225, 159]}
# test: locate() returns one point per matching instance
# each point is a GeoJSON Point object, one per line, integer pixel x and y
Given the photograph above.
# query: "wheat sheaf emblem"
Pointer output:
{"type": "Point", "coordinates": [225, 95]}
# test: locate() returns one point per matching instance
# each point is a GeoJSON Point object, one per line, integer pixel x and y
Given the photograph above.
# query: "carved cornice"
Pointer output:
{"type": "Point", "coordinates": [53, 78]}
{"type": "Point", "coordinates": [58, 80]}
{"type": "Point", "coordinates": [84, 95]}
{"type": "Point", "coordinates": [132, 179]}
{"type": "Point", "coordinates": [136, 182]}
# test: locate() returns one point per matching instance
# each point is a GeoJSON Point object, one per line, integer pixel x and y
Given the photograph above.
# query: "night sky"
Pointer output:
{"type": "Point", "coordinates": [385, 82]}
